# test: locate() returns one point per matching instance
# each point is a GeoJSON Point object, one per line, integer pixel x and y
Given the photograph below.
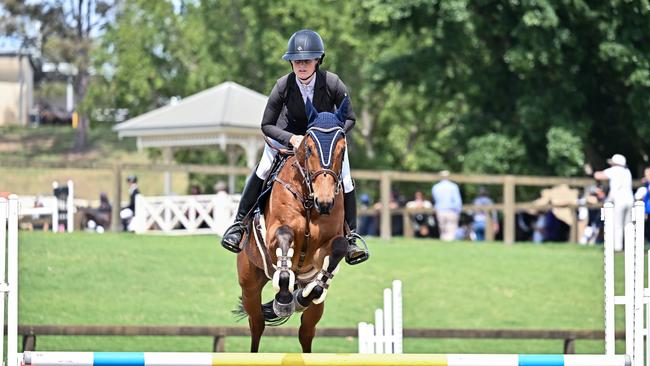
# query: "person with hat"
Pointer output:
{"type": "Point", "coordinates": [127, 213]}
{"type": "Point", "coordinates": [285, 123]}
{"type": "Point", "coordinates": [620, 193]}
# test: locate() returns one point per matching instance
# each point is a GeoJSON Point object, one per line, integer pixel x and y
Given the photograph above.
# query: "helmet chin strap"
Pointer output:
{"type": "Point", "coordinates": [312, 74]}
{"type": "Point", "coordinates": [308, 77]}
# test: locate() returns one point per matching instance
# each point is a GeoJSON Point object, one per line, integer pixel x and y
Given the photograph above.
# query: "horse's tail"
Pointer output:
{"type": "Point", "coordinates": [270, 318]}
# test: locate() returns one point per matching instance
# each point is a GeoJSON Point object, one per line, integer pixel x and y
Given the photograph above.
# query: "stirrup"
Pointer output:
{"type": "Point", "coordinates": [351, 238]}
{"type": "Point", "coordinates": [230, 244]}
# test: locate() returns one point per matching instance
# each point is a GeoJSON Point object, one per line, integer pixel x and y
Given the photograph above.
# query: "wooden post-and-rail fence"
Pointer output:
{"type": "Point", "coordinates": [385, 178]}
{"type": "Point", "coordinates": [219, 334]}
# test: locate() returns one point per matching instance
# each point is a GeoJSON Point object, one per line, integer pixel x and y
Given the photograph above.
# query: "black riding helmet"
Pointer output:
{"type": "Point", "coordinates": [305, 45]}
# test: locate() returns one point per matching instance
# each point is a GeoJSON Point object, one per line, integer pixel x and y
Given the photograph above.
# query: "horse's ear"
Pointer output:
{"type": "Point", "coordinates": [342, 112]}
{"type": "Point", "coordinates": [312, 113]}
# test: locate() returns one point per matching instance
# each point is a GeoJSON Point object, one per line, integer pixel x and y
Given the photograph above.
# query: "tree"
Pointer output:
{"type": "Point", "coordinates": [145, 58]}
{"type": "Point", "coordinates": [62, 32]}
{"type": "Point", "coordinates": [522, 68]}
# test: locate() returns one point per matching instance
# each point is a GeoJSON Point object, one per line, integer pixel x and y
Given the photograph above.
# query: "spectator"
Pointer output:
{"type": "Point", "coordinates": [643, 194]}
{"type": "Point", "coordinates": [480, 216]}
{"type": "Point", "coordinates": [422, 222]}
{"type": "Point", "coordinates": [620, 193]}
{"type": "Point", "coordinates": [127, 213]}
{"type": "Point", "coordinates": [539, 228]}
{"type": "Point", "coordinates": [98, 219]}
{"type": "Point", "coordinates": [448, 204]}
{"type": "Point", "coordinates": [593, 231]}
{"type": "Point", "coordinates": [367, 223]}
{"type": "Point", "coordinates": [396, 221]}
{"type": "Point", "coordinates": [220, 188]}
{"type": "Point", "coordinates": [195, 189]}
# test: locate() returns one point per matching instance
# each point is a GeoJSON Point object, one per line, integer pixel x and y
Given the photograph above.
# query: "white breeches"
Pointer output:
{"type": "Point", "coordinates": [264, 168]}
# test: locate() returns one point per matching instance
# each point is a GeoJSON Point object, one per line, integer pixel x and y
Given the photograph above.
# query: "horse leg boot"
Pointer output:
{"type": "Point", "coordinates": [354, 255]}
{"type": "Point", "coordinates": [283, 278]}
{"type": "Point", "coordinates": [232, 237]}
{"type": "Point", "coordinates": [316, 290]}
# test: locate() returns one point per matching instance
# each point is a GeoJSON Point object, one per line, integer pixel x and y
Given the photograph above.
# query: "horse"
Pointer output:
{"type": "Point", "coordinates": [300, 241]}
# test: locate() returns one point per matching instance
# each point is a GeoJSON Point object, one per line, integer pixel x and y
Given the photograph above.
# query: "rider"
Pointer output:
{"type": "Point", "coordinates": [285, 122]}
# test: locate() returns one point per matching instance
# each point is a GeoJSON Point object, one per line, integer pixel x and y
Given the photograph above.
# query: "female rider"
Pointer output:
{"type": "Point", "coordinates": [285, 122]}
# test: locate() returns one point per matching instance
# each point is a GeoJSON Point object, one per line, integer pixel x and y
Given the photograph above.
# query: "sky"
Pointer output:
{"type": "Point", "coordinates": [8, 44]}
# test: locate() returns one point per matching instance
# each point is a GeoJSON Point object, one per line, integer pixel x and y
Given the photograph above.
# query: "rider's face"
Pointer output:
{"type": "Point", "coordinates": [304, 68]}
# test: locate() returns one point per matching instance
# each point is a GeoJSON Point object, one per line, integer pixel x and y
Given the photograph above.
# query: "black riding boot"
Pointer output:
{"type": "Point", "coordinates": [232, 237]}
{"type": "Point", "coordinates": [355, 255]}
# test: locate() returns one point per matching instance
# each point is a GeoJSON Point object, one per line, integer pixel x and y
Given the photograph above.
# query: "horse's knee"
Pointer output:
{"type": "Point", "coordinates": [284, 234]}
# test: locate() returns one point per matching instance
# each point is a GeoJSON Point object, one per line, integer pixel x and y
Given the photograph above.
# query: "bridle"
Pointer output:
{"type": "Point", "coordinates": [308, 177]}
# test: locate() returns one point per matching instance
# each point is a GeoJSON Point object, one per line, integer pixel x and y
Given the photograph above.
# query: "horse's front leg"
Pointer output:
{"type": "Point", "coordinates": [308, 322]}
{"type": "Point", "coordinates": [284, 279]}
{"type": "Point", "coordinates": [316, 290]}
{"type": "Point", "coordinates": [251, 281]}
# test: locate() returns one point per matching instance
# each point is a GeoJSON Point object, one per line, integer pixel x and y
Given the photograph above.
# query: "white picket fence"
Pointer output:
{"type": "Point", "coordinates": [385, 336]}
{"type": "Point", "coordinates": [36, 206]}
{"type": "Point", "coordinates": [184, 215]}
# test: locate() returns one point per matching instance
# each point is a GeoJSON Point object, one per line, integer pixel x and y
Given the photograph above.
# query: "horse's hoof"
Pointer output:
{"type": "Point", "coordinates": [283, 310]}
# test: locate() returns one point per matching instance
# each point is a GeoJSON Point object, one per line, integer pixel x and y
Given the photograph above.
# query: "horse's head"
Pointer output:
{"type": "Point", "coordinates": [321, 154]}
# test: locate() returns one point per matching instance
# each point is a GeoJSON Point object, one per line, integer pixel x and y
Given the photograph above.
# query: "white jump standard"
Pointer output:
{"type": "Point", "coordinates": [634, 299]}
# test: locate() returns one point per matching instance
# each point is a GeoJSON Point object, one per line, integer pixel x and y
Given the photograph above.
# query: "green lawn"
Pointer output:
{"type": "Point", "coordinates": [125, 279]}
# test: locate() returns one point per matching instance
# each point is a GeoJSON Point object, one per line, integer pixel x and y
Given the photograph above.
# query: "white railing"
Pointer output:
{"type": "Point", "coordinates": [9, 284]}
{"type": "Point", "coordinates": [385, 336]}
{"type": "Point", "coordinates": [37, 206]}
{"type": "Point", "coordinates": [184, 215]}
{"type": "Point", "coordinates": [636, 295]}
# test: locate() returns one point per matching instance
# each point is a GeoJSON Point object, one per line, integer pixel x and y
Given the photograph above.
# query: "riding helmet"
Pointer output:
{"type": "Point", "coordinates": [305, 45]}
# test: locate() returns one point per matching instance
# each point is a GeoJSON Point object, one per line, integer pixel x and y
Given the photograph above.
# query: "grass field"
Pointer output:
{"type": "Point", "coordinates": [120, 279]}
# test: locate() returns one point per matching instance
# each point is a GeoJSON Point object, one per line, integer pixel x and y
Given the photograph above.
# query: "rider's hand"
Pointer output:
{"type": "Point", "coordinates": [296, 140]}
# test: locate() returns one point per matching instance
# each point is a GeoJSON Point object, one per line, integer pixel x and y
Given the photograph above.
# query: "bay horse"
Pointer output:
{"type": "Point", "coordinates": [300, 241]}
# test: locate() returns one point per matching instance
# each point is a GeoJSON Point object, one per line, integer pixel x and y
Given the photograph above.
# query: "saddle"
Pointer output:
{"type": "Point", "coordinates": [257, 210]}
{"type": "Point", "coordinates": [278, 162]}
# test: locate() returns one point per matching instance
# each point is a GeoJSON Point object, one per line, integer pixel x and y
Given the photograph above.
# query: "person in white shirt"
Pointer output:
{"type": "Point", "coordinates": [448, 203]}
{"type": "Point", "coordinates": [620, 193]}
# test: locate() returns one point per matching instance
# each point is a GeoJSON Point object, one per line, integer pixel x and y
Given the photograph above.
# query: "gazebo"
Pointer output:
{"type": "Point", "coordinates": [227, 115]}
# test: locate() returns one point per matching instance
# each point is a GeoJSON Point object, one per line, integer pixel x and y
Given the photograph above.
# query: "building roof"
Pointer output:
{"type": "Point", "coordinates": [208, 117]}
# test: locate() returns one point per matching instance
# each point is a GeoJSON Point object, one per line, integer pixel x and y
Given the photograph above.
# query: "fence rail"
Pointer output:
{"type": "Point", "coordinates": [219, 334]}
{"type": "Point", "coordinates": [385, 179]}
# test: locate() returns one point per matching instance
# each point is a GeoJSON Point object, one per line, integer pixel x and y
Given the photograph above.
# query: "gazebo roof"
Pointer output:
{"type": "Point", "coordinates": [226, 113]}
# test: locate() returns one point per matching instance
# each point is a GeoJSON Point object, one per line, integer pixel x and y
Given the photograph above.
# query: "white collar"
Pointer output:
{"type": "Point", "coordinates": [309, 85]}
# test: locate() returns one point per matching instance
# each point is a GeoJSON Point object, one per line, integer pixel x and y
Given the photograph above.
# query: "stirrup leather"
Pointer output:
{"type": "Point", "coordinates": [365, 253]}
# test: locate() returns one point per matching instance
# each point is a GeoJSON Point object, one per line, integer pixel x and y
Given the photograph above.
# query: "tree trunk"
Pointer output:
{"type": "Point", "coordinates": [81, 135]}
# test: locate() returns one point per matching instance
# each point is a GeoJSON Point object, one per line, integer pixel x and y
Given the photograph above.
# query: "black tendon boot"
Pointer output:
{"type": "Point", "coordinates": [355, 255]}
{"type": "Point", "coordinates": [232, 237]}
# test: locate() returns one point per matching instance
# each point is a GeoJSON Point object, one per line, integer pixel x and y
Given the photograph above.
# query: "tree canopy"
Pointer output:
{"type": "Point", "coordinates": [508, 86]}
